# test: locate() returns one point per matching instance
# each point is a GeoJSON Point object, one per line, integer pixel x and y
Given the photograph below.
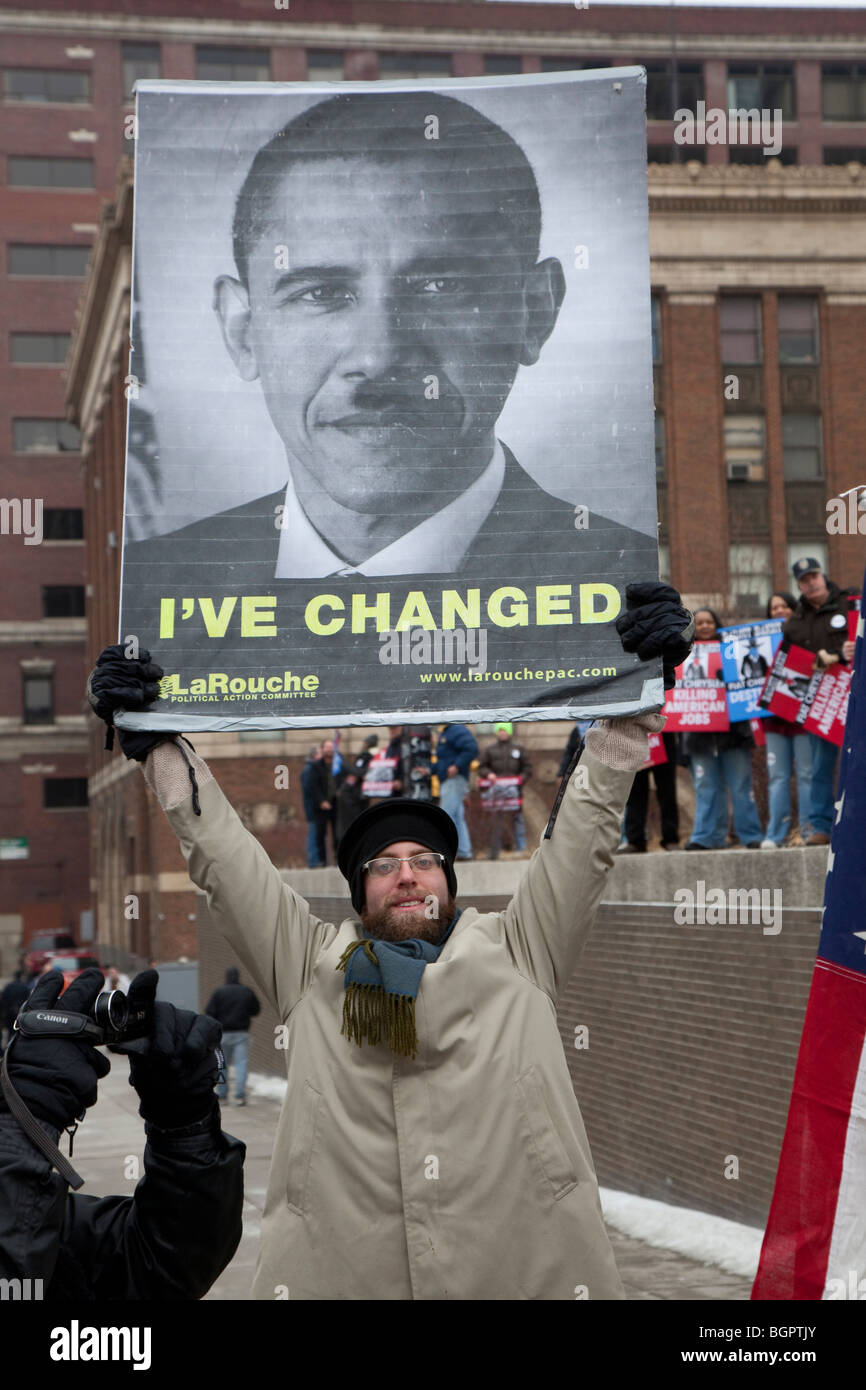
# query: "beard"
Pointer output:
{"type": "Point", "coordinates": [389, 925]}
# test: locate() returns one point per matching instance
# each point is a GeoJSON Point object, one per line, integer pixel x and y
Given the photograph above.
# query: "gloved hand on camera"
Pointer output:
{"type": "Point", "coordinates": [121, 682]}
{"type": "Point", "coordinates": [174, 1069]}
{"type": "Point", "coordinates": [656, 624]}
{"type": "Point", "coordinates": [57, 1077]}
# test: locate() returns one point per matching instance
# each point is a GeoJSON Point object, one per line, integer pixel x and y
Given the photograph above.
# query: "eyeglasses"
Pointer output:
{"type": "Point", "coordinates": [420, 863]}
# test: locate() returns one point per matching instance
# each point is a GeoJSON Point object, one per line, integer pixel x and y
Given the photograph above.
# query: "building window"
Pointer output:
{"type": "Point", "coordinates": [66, 85]}
{"type": "Point", "coordinates": [843, 91]}
{"type": "Point", "coordinates": [751, 572]}
{"type": "Point", "coordinates": [744, 449]}
{"type": "Point", "coordinates": [573, 64]}
{"type": "Point", "coordinates": [762, 86]}
{"type": "Point", "coordinates": [64, 793]}
{"type": "Point", "coordinates": [661, 99]}
{"type": "Point", "coordinates": [44, 437]}
{"type": "Point", "coordinates": [48, 171]}
{"type": "Point", "coordinates": [675, 154]}
{"type": "Point", "coordinates": [660, 448]}
{"type": "Point", "coordinates": [844, 154]}
{"type": "Point", "coordinates": [501, 64]}
{"type": "Point", "coordinates": [63, 600]}
{"type": "Point", "coordinates": [798, 328]}
{"type": "Point", "coordinates": [656, 322]}
{"type": "Point", "coordinates": [416, 67]}
{"type": "Point", "coordinates": [38, 349]}
{"type": "Point", "coordinates": [140, 60]}
{"type": "Point", "coordinates": [38, 699]}
{"type": "Point", "coordinates": [754, 154]}
{"type": "Point", "coordinates": [798, 550]}
{"type": "Point", "coordinates": [233, 64]}
{"type": "Point", "coordinates": [324, 65]}
{"type": "Point", "coordinates": [70, 261]}
{"type": "Point", "coordinates": [63, 524]}
{"type": "Point", "coordinates": [740, 320]}
{"type": "Point", "coordinates": [801, 448]}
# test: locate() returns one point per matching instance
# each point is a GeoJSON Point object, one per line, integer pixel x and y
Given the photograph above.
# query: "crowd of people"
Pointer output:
{"type": "Point", "coordinates": [428, 765]}
{"type": "Point", "coordinates": [721, 763]}
{"type": "Point", "coordinates": [422, 765]}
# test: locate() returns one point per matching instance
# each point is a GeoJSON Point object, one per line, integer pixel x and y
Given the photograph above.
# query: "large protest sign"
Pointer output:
{"type": "Point", "coordinates": [747, 655]}
{"type": "Point", "coordinates": [391, 361]}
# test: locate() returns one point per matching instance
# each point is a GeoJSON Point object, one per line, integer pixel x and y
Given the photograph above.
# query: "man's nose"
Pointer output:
{"type": "Point", "coordinates": [379, 339]}
{"type": "Point", "coordinates": [406, 875]}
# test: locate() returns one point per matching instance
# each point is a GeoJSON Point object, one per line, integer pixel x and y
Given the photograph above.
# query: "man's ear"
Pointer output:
{"type": "Point", "coordinates": [231, 301]}
{"type": "Point", "coordinates": [544, 290]}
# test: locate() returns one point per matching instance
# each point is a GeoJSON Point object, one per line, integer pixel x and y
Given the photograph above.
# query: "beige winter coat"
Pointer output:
{"type": "Point", "coordinates": [466, 1173]}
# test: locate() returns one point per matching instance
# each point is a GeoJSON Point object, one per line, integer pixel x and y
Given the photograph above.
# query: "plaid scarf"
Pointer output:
{"type": "Point", "coordinates": [382, 983]}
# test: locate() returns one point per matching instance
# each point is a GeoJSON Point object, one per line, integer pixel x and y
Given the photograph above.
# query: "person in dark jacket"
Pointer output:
{"type": "Point", "coordinates": [307, 774]}
{"type": "Point", "coordinates": [351, 800]}
{"type": "Point", "coordinates": [233, 1005]}
{"type": "Point", "coordinates": [455, 752]}
{"type": "Point", "coordinates": [820, 624]}
{"type": "Point", "coordinates": [323, 796]}
{"type": "Point", "coordinates": [180, 1228]}
{"type": "Point", "coordinates": [788, 747]}
{"type": "Point", "coordinates": [721, 762]}
{"type": "Point", "coordinates": [11, 999]}
{"type": "Point", "coordinates": [505, 758]}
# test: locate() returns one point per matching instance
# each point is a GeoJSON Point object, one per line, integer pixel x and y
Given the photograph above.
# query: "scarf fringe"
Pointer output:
{"type": "Point", "coordinates": [370, 1015]}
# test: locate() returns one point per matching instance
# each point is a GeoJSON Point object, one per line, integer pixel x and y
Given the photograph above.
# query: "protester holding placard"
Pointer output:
{"type": "Point", "coordinates": [788, 747]}
{"type": "Point", "coordinates": [721, 763]}
{"type": "Point", "coordinates": [819, 623]}
{"type": "Point", "coordinates": [507, 767]}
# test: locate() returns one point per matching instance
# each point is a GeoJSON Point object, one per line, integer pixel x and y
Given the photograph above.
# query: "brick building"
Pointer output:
{"type": "Point", "coordinates": [759, 317]}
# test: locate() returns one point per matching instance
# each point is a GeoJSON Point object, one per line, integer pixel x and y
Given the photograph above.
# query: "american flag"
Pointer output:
{"type": "Point", "coordinates": [815, 1243]}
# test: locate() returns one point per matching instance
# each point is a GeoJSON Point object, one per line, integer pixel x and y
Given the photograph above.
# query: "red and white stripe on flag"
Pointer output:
{"type": "Point", "coordinates": [815, 1242]}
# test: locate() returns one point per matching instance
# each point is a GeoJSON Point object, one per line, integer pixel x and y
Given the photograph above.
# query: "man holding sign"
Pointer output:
{"type": "Point", "coordinates": [432, 1148]}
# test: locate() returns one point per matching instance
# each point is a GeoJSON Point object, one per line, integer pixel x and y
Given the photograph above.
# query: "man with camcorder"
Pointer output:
{"type": "Point", "coordinates": [173, 1237]}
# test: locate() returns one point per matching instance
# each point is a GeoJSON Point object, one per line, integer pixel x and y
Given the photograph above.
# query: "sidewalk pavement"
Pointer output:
{"type": "Point", "coordinates": [113, 1134]}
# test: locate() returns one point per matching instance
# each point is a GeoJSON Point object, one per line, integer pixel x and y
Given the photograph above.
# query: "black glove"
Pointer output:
{"type": "Point", "coordinates": [57, 1077]}
{"type": "Point", "coordinates": [120, 682]}
{"type": "Point", "coordinates": [176, 1068]}
{"type": "Point", "coordinates": [656, 624]}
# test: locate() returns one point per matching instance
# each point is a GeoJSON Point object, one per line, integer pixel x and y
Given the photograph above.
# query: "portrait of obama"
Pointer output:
{"type": "Point", "coordinates": [387, 288]}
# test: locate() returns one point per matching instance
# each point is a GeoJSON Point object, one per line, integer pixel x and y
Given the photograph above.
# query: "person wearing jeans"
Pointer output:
{"type": "Point", "coordinates": [785, 751]}
{"type": "Point", "coordinates": [233, 1005]}
{"type": "Point", "coordinates": [715, 774]}
{"type": "Point", "coordinates": [455, 752]}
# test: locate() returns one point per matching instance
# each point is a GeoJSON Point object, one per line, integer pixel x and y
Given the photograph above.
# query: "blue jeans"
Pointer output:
{"type": "Point", "coordinates": [313, 859]}
{"type": "Point", "coordinates": [824, 756]}
{"type": "Point", "coordinates": [235, 1046]}
{"type": "Point", "coordinates": [783, 754]}
{"type": "Point", "coordinates": [714, 776]}
{"type": "Point", "coordinates": [452, 790]}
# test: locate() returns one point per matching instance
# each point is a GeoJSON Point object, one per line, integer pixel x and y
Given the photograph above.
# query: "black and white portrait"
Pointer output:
{"type": "Point", "coordinates": [392, 334]}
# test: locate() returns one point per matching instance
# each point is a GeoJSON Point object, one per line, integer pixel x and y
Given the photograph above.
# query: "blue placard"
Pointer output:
{"type": "Point", "coordinates": [747, 655]}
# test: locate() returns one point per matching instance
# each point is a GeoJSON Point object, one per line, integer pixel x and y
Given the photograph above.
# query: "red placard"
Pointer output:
{"type": "Point", "coordinates": [379, 777]}
{"type": "Point", "coordinates": [697, 703]}
{"type": "Point", "coordinates": [816, 700]}
{"type": "Point", "coordinates": [658, 754]}
{"type": "Point", "coordinates": [500, 793]}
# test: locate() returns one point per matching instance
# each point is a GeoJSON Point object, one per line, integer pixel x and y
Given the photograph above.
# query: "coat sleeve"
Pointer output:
{"type": "Point", "coordinates": [550, 915]}
{"type": "Point", "coordinates": [270, 926]}
{"type": "Point", "coordinates": [32, 1205]}
{"type": "Point", "coordinates": [172, 1238]}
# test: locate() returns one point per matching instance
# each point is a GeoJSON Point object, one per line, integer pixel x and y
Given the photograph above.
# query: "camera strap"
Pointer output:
{"type": "Point", "coordinates": [58, 1023]}
{"type": "Point", "coordinates": [34, 1131]}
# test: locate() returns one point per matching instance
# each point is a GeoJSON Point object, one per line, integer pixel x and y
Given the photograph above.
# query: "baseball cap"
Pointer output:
{"type": "Point", "coordinates": [806, 566]}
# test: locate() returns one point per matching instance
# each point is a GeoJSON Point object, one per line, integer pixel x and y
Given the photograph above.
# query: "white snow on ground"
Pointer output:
{"type": "Point", "coordinates": [710, 1239]}
{"type": "Point", "coordinates": [266, 1087]}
